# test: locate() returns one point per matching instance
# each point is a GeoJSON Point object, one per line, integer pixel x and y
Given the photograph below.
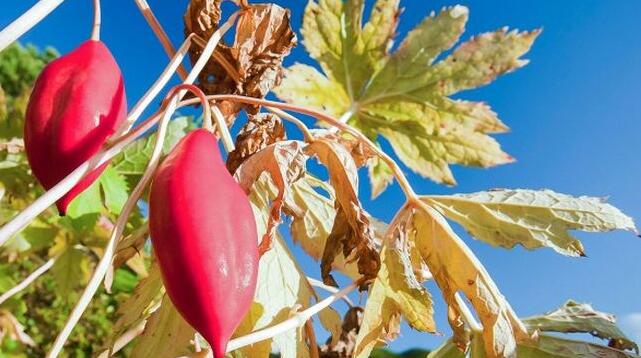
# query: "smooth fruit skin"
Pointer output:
{"type": "Point", "coordinates": [204, 236]}
{"type": "Point", "coordinates": [77, 103]}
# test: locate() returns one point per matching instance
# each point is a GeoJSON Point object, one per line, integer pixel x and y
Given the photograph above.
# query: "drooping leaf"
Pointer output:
{"type": "Point", "coordinates": [455, 268]}
{"type": "Point", "coordinates": [166, 334]}
{"type": "Point", "coordinates": [575, 317]}
{"type": "Point", "coordinates": [556, 347]}
{"type": "Point", "coordinates": [531, 218]}
{"type": "Point", "coordinates": [403, 95]}
{"type": "Point", "coordinates": [351, 232]}
{"type": "Point", "coordinates": [281, 285]}
{"type": "Point", "coordinates": [343, 342]}
{"type": "Point", "coordinates": [393, 294]}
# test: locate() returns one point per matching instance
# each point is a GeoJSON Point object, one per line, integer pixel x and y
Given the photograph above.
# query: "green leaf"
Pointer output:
{"type": "Point", "coordinates": [70, 270]}
{"type": "Point", "coordinates": [575, 317]}
{"type": "Point", "coordinates": [88, 202]}
{"type": "Point", "coordinates": [403, 95]}
{"type": "Point", "coordinates": [115, 189]}
{"type": "Point", "coordinates": [166, 334]}
{"type": "Point", "coordinates": [134, 159]}
{"type": "Point", "coordinates": [531, 218]}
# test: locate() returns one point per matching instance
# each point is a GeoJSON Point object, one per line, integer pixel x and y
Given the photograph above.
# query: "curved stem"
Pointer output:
{"type": "Point", "coordinates": [28, 280]}
{"type": "Point", "coordinates": [331, 289]}
{"type": "Point", "coordinates": [160, 33]}
{"type": "Point", "coordinates": [26, 21]}
{"type": "Point", "coordinates": [97, 20]}
{"type": "Point", "coordinates": [398, 173]}
{"type": "Point", "coordinates": [228, 142]}
{"type": "Point", "coordinates": [105, 261]}
{"type": "Point", "coordinates": [295, 321]}
{"type": "Point", "coordinates": [307, 135]}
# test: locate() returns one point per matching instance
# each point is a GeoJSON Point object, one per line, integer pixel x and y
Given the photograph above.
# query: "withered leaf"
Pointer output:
{"type": "Point", "coordinates": [260, 131]}
{"type": "Point", "coordinates": [351, 231]}
{"type": "Point", "coordinates": [252, 65]}
{"type": "Point", "coordinates": [285, 162]}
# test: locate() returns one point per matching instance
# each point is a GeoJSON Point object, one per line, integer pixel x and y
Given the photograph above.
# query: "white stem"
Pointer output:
{"type": "Point", "coordinates": [228, 142]}
{"type": "Point", "coordinates": [43, 202]}
{"type": "Point", "coordinates": [314, 282]}
{"type": "Point", "coordinates": [295, 321]}
{"type": "Point", "coordinates": [343, 119]}
{"type": "Point", "coordinates": [160, 33]}
{"type": "Point", "coordinates": [97, 20]}
{"type": "Point", "coordinates": [27, 281]}
{"type": "Point", "coordinates": [105, 261]}
{"type": "Point", "coordinates": [467, 314]}
{"type": "Point", "coordinates": [26, 21]}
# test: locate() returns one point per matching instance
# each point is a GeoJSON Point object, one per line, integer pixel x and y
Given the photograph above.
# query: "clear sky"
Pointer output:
{"type": "Point", "coordinates": [575, 114]}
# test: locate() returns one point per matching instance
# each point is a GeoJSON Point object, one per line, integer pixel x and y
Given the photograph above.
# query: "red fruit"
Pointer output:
{"type": "Point", "coordinates": [204, 237]}
{"type": "Point", "coordinates": [77, 102]}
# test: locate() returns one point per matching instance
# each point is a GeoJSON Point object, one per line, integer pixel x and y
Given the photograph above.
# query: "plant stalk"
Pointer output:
{"type": "Point", "coordinates": [26, 21]}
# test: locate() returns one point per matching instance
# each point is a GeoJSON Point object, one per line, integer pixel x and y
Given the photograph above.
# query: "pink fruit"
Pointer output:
{"type": "Point", "coordinates": [204, 237]}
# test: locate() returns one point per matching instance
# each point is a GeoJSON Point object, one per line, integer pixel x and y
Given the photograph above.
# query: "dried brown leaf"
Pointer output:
{"type": "Point", "coordinates": [285, 162]}
{"type": "Point", "coordinates": [351, 231]}
{"type": "Point", "coordinates": [260, 131]}
{"type": "Point", "coordinates": [252, 65]}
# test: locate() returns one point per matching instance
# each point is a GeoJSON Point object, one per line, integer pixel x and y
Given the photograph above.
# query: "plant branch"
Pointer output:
{"type": "Point", "coordinates": [295, 321]}
{"type": "Point", "coordinates": [26, 21]}
{"type": "Point", "coordinates": [228, 142]}
{"type": "Point", "coordinates": [331, 289]}
{"type": "Point", "coordinates": [28, 280]}
{"type": "Point", "coordinates": [97, 21]}
{"type": "Point", "coordinates": [124, 339]}
{"type": "Point", "coordinates": [160, 33]}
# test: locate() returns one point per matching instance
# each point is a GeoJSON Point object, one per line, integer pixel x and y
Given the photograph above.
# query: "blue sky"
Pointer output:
{"type": "Point", "coordinates": [574, 111]}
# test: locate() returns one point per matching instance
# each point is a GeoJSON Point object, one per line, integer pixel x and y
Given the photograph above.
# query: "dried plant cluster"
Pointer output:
{"type": "Point", "coordinates": [367, 91]}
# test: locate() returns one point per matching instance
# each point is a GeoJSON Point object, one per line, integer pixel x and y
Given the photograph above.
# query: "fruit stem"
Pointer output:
{"type": "Point", "coordinates": [331, 289]}
{"type": "Point", "coordinates": [221, 123]}
{"type": "Point", "coordinates": [307, 135]}
{"type": "Point", "coordinates": [97, 20]}
{"type": "Point", "coordinates": [28, 280]}
{"type": "Point", "coordinates": [26, 21]}
{"type": "Point", "coordinates": [160, 33]}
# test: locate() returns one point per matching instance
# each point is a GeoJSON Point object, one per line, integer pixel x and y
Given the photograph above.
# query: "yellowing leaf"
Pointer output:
{"type": "Point", "coordinates": [403, 95]}
{"type": "Point", "coordinates": [390, 297]}
{"type": "Point", "coordinates": [166, 334]}
{"type": "Point", "coordinates": [455, 268]}
{"type": "Point", "coordinates": [307, 87]}
{"type": "Point", "coordinates": [281, 285]}
{"type": "Point", "coordinates": [531, 218]}
{"type": "Point", "coordinates": [574, 317]}
{"type": "Point", "coordinates": [312, 223]}
{"type": "Point", "coordinates": [138, 304]}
